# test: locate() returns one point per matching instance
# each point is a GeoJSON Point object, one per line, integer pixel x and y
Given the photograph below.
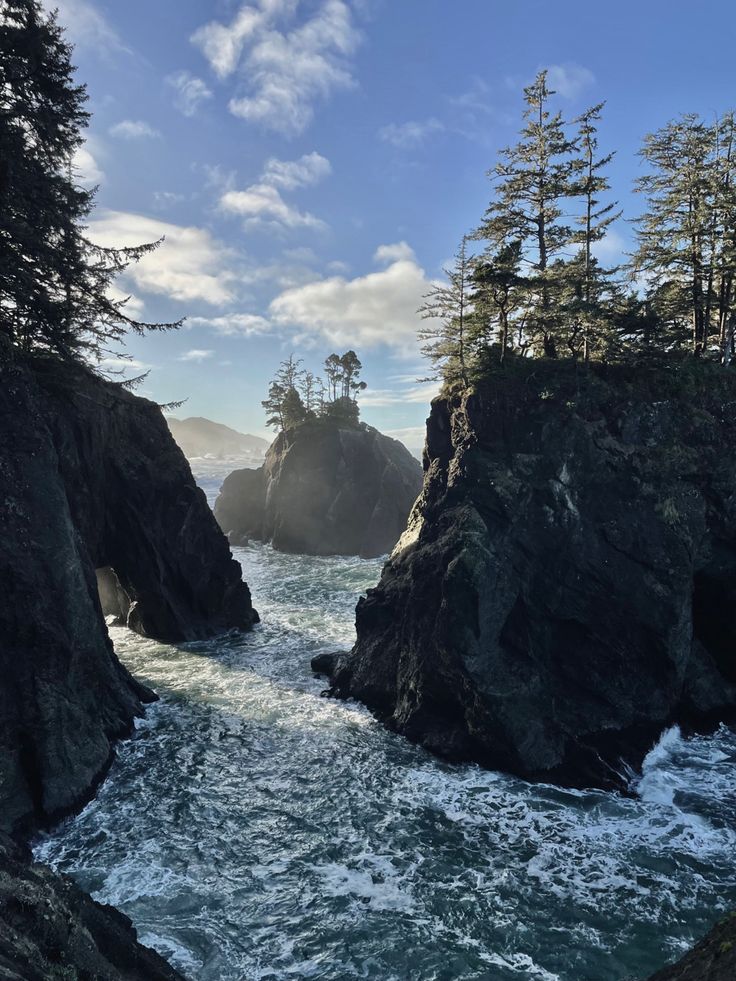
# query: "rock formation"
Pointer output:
{"type": "Point", "coordinates": [566, 586]}
{"type": "Point", "coordinates": [90, 481]}
{"type": "Point", "coordinates": [323, 490]}
{"type": "Point", "coordinates": [50, 929]}
{"type": "Point", "coordinates": [713, 959]}
{"type": "Point", "coordinates": [90, 478]}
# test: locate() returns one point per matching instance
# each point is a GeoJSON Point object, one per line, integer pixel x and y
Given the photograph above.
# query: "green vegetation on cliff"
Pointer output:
{"type": "Point", "coordinates": [296, 396]}
{"type": "Point", "coordinates": [537, 287]}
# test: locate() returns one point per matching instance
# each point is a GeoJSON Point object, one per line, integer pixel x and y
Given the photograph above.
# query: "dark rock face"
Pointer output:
{"type": "Point", "coordinates": [566, 585]}
{"type": "Point", "coordinates": [89, 478]}
{"type": "Point", "coordinates": [323, 490]}
{"type": "Point", "coordinates": [713, 959]}
{"type": "Point", "coordinates": [50, 929]}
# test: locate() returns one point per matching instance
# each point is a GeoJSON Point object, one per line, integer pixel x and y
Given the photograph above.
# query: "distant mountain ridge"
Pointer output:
{"type": "Point", "coordinates": [200, 437]}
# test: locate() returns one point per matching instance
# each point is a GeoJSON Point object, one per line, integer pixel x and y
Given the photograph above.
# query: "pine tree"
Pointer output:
{"type": "Point", "coordinates": [675, 232]}
{"type": "Point", "coordinates": [498, 293]}
{"type": "Point", "coordinates": [274, 406]}
{"type": "Point", "coordinates": [533, 182]}
{"type": "Point", "coordinates": [723, 269]}
{"type": "Point", "coordinates": [449, 307]}
{"type": "Point", "coordinates": [597, 217]}
{"type": "Point", "coordinates": [54, 282]}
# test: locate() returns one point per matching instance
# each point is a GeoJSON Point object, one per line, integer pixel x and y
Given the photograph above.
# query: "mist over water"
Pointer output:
{"type": "Point", "coordinates": [254, 830]}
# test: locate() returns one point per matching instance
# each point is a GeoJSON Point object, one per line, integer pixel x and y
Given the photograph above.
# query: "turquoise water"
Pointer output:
{"type": "Point", "coordinates": [254, 830]}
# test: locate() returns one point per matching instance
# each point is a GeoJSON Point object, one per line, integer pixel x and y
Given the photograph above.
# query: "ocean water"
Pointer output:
{"type": "Point", "coordinates": [253, 829]}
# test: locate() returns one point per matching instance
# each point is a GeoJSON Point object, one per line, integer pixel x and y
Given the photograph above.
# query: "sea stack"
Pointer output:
{"type": "Point", "coordinates": [566, 585]}
{"type": "Point", "coordinates": [324, 489]}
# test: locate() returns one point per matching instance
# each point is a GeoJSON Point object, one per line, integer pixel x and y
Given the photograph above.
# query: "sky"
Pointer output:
{"type": "Point", "coordinates": [312, 165]}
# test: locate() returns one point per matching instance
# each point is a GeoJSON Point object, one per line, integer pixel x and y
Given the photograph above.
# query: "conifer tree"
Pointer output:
{"type": "Point", "coordinates": [532, 184]}
{"type": "Point", "coordinates": [497, 295]}
{"type": "Point", "coordinates": [54, 282]}
{"type": "Point", "coordinates": [449, 306]}
{"type": "Point", "coordinates": [674, 233]}
{"type": "Point", "coordinates": [595, 221]}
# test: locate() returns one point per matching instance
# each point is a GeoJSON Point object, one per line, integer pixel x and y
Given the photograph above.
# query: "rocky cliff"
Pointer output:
{"type": "Point", "coordinates": [323, 490]}
{"type": "Point", "coordinates": [566, 586]}
{"type": "Point", "coordinates": [90, 478]}
{"type": "Point", "coordinates": [49, 929]}
{"type": "Point", "coordinates": [713, 959]}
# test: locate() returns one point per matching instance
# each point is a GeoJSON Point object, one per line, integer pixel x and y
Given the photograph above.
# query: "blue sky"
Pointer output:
{"type": "Point", "coordinates": [314, 163]}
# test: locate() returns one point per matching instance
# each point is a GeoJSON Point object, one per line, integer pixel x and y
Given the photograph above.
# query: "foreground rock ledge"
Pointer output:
{"type": "Point", "coordinates": [50, 929]}
{"type": "Point", "coordinates": [566, 587]}
{"type": "Point", "coordinates": [713, 959]}
{"type": "Point", "coordinates": [323, 490]}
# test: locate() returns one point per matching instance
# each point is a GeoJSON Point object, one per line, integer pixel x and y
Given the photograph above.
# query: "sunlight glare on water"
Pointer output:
{"type": "Point", "coordinates": [254, 830]}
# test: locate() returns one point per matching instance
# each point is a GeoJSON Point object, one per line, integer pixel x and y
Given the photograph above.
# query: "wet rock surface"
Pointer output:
{"type": "Point", "coordinates": [323, 490]}
{"type": "Point", "coordinates": [49, 929]}
{"type": "Point", "coordinates": [713, 959]}
{"type": "Point", "coordinates": [565, 588]}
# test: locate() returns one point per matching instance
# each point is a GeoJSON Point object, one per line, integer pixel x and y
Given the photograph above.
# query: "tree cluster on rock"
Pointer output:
{"type": "Point", "coordinates": [296, 395]}
{"type": "Point", "coordinates": [537, 288]}
{"type": "Point", "coordinates": [54, 280]}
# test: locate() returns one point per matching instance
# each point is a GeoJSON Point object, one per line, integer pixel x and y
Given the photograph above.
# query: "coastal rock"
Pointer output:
{"type": "Point", "coordinates": [90, 478]}
{"type": "Point", "coordinates": [323, 490]}
{"type": "Point", "coordinates": [565, 587]}
{"type": "Point", "coordinates": [713, 959]}
{"type": "Point", "coordinates": [50, 929]}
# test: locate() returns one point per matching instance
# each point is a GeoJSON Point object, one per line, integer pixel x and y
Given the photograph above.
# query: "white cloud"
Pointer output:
{"type": "Point", "coordinates": [569, 80]}
{"type": "Point", "coordinates": [611, 249]}
{"type": "Point", "coordinates": [134, 129]}
{"type": "Point", "coordinates": [394, 253]}
{"type": "Point", "coordinates": [412, 437]}
{"type": "Point", "coordinates": [290, 174]}
{"type": "Point", "coordinates": [377, 309]}
{"type": "Point", "coordinates": [166, 199]}
{"type": "Point", "coordinates": [284, 71]}
{"type": "Point", "coordinates": [124, 365]}
{"type": "Point", "coordinates": [262, 203]}
{"type": "Point", "coordinates": [233, 324]}
{"type": "Point", "coordinates": [86, 26]}
{"type": "Point", "coordinates": [422, 392]}
{"type": "Point", "coordinates": [197, 355]}
{"type": "Point", "coordinates": [190, 91]}
{"type": "Point", "coordinates": [85, 166]}
{"type": "Point", "coordinates": [189, 265]}
{"type": "Point", "coordinates": [409, 134]}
